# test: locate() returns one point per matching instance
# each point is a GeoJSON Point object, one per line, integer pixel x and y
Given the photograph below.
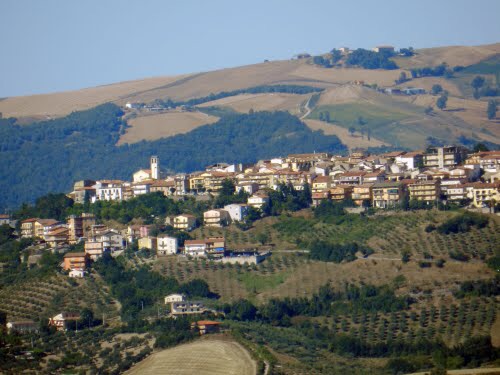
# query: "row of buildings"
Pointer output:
{"type": "Point", "coordinates": [457, 171]}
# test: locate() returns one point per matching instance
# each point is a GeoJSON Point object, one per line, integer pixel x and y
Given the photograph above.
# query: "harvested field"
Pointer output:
{"type": "Point", "coordinates": [347, 75]}
{"type": "Point", "coordinates": [452, 55]}
{"type": "Point", "coordinates": [62, 103]}
{"type": "Point", "coordinates": [262, 102]}
{"type": "Point", "coordinates": [204, 357]}
{"type": "Point", "coordinates": [151, 127]}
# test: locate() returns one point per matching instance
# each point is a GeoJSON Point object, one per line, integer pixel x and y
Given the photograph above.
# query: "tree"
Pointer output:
{"type": "Point", "coordinates": [491, 111]}
{"type": "Point", "coordinates": [441, 102]}
{"type": "Point", "coordinates": [436, 89]}
{"type": "Point", "coordinates": [428, 110]}
{"type": "Point", "coordinates": [480, 147]}
{"type": "Point", "coordinates": [477, 83]}
{"type": "Point", "coordinates": [262, 237]}
{"type": "Point", "coordinates": [402, 78]}
{"type": "Point", "coordinates": [352, 129]}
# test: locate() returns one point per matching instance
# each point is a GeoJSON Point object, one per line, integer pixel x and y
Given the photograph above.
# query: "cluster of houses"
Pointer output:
{"type": "Point", "coordinates": [438, 174]}
{"type": "Point", "coordinates": [447, 173]}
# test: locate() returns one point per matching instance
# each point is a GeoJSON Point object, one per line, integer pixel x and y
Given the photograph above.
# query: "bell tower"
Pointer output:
{"type": "Point", "coordinates": [155, 167]}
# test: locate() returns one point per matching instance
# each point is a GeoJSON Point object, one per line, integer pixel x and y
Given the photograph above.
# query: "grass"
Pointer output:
{"type": "Point", "coordinates": [257, 283]}
{"type": "Point", "coordinates": [379, 121]}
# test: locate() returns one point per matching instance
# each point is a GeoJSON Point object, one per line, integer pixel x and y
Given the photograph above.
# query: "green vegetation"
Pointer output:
{"type": "Point", "coordinates": [371, 60]}
{"type": "Point", "coordinates": [82, 146]}
{"type": "Point", "coordinates": [378, 121]}
{"type": "Point", "coordinates": [438, 71]}
{"type": "Point", "coordinates": [490, 65]}
{"type": "Point", "coordinates": [491, 111]}
{"type": "Point", "coordinates": [441, 102]}
{"type": "Point", "coordinates": [257, 284]}
{"type": "Point", "coordinates": [463, 223]}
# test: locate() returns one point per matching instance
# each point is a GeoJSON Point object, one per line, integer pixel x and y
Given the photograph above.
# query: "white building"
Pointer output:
{"type": "Point", "coordinates": [216, 218]}
{"type": "Point", "coordinates": [108, 190]}
{"type": "Point", "coordinates": [167, 245]}
{"type": "Point", "coordinates": [111, 240]}
{"type": "Point", "coordinates": [176, 297]}
{"type": "Point", "coordinates": [77, 273]}
{"type": "Point", "coordinates": [195, 248]}
{"type": "Point", "coordinates": [237, 212]}
{"type": "Point", "coordinates": [258, 200]}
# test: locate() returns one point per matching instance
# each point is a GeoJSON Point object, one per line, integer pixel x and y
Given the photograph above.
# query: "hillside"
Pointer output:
{"type": "Point", "coordinates": [83, 145]}
{"type": "Point", "coordinates": [465, 118]}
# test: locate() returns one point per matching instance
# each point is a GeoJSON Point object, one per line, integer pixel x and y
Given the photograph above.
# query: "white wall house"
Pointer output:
{"type": "Point", "coordinates": [174, 298]}
{"type": "Point", "coordinates": [195, 248]}
{"type": "Point", "coordinates": [108, 191]}
{"type": "Point", "coordinates": [167, 245]}
{"type": "Point", "coordinates": [237, 212]}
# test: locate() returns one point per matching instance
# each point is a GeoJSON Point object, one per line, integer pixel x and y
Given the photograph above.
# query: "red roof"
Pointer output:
{"type": "Point", "coordinates": [207, 323]}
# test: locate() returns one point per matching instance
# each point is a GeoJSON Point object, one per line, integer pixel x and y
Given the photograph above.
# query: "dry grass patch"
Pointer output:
{"type": "Point", "coordinates": [162, 125]}
{"type": "Point", "coordinates": [209, 356]}
{"type": "Point", "coordinates": [63, 103]}
{"type": "Point", "coordinates": [262, 102]}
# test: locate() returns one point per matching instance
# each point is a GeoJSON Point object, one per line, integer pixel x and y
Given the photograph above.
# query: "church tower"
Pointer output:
{"type": "Point", "coordinates": [155, 167]}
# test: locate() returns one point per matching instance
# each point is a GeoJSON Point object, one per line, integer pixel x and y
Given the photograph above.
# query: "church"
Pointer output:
{"type": "Point", "coordinates": [148, 174]}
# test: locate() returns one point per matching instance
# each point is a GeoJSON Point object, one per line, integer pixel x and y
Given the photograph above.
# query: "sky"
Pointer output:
{"type": "Point", "coordinates": [58, 45]}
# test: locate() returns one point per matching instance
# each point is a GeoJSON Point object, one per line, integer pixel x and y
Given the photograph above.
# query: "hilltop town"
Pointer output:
{"type": "Point", "coordinates": [438, 176]}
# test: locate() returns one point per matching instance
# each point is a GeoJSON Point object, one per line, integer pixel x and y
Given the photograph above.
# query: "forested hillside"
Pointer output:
{"type": "Point", "coordinates": [49, 156]}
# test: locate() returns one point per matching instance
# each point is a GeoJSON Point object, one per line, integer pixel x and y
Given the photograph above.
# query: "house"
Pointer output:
{"type": "Point", "coordinates": [247, 187]}
{"type": "Point", "coordinates": [147, 243]}
{"type": "Point", "coordinates": [111, 240]}
{"type": "Point", "coordinates": [341, 192]}
{"type": "Point", "coordinates": [141, 188]}
{"type": "Point", "coordinates": [44, 226]}
{"type": "Point", "coordinates": [166, 245]}
{"type": "Point", "coordinates": [454, 192]}
{"type": "Point", "coordinates": [383, 49]}
{"type": "Point", "coordinates": [387, 194]}
{"type": "Point", "coordinates": [320, 196]}
{"type": "Point", "coordinates": [75, 261]}
{"type": "Point", "coordinates": [213, 247]}
{"type": "Point", "coordinates": [485, 194]}
{"type": "Point", "coordinates": [60, 320]}
{"type": "Point", "coordinates": [321, 183]}
{"type": "Point", "coordinates": [187, 308]}
{"type": "Point", "coordinates": [28, 227]}
{"type": "Point", "coordinates": [176, 297]}
{"type": "Point", "coordinates": [352, 178]}
{"type": "Point", "coordinates": [94, 249]}
{"type": "Point", "coordinates": [216, 218]}
{"type": "Point", "coordinates": [185, 222]}
{"type": "Point", "coordinates": [258, 199]}
{"type": "Point", "coordinates": [427, 191]}
{"type": "Point", "coordinates": [108, 190]}
{"type": "Point", "coordinates": [237, 212]}
{"type": "Point", "coordinates": [374, 177]}
{"type": "Point", "coordinates": [57, 237]}
{"type": "Point", "coordinates": [206, 326]}
{"type": "Point", "coordinates": [22, 326]}
{"type": "Point", "coordinates": [362, 194]}
{"type": "Point", "coordinates": [166, 187]}
{"type": "Point", "coordinates": [80, 226]}
{"type": "Point", "coordinates": [444, 157]}
{"type": "Point", "coordinates": [4, 219]}
{"type": "Point", "coordinates": [77, 273]}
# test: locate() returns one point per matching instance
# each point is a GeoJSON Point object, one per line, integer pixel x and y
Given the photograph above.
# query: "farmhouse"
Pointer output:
{"type": "Point", "coordinates": [60, 320]}
{"type": "Point", "coordinates": [206, 326]}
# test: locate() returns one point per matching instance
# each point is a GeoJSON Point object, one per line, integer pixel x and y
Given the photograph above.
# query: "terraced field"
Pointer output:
{"type": "Point", "coordinates": [41, 299]}
{"type": "Point", "coordinates": [204, 357]}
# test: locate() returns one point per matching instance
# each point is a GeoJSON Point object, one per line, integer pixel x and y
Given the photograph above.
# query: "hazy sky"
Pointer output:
{"type": "Point", "coordinates": [56, 45]}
